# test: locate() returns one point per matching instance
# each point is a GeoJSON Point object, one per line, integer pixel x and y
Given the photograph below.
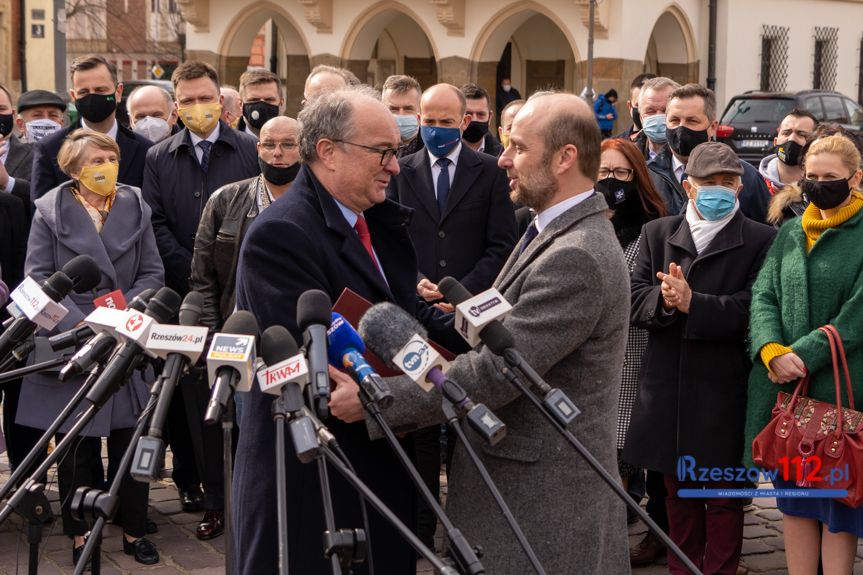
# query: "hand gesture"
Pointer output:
{"type": "Point", "coordinates": [345, 397]}
{"type": "Point", "coordinates": [786, 367]}
{"type": "Point", "coordinates": [676, 292]}
{"type": "Point", "coordinates": [428, 290]}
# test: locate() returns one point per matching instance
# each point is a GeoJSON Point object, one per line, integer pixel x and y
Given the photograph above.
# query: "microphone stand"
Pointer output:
{"type": "Point", "coordinates": [35, 368]}
{"type": "Point", "coordinates": [464, 555]}
{"type": "Point", "coordinates": [227, 478]}
{"type": "Point", "coordinates": [515, 380]}
{"type": "Point", "coordinates": [323, 440]}
{"type": "Point", "coordinates": [88, 502]}
{"type": "Point", "coordinates": [454, 423]}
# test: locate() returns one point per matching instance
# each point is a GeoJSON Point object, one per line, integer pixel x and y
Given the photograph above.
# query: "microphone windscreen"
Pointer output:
{"type": "Point", "coordinates": [84, 273]}
{"type": "Point", "coordinates": [453, 291]}
{"type": "Point", "coordinates": [386, 328]}
{"type": "Point", "coordinates": [164, 305]}
{"type": "Point", "coordinates": [341, 336]}
{"type": "Point", "coordinates": [57, 286]}
{"type": "Point", "coordinates": [190, 310]}
{"type": "Point", "coordinates": [313, 308]}
{"type": "Point", "coordinates": [140, 301]}
{"type": "Point", "coordinates": [241, 322]}
{"type": "Point", "coordinates": [277, 344]}
{"type": "Point", "coordinates": [497, 338]}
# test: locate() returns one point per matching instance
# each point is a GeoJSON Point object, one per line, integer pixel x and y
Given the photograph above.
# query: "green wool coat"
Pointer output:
{"type": "Point", "coordinates": [796, 293]}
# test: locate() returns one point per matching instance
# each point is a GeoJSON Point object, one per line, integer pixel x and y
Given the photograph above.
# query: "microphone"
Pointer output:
{"type": "Point", "coordinates": [98, 321]}
{"type": "Point", "coordinates": [104, 324]}
{"type": "Point", "coordinates": [399, 340]}
{"type": "Point", "coordinates": [180, 346]}
{"type": "Point", "coordinates": [283, 363]}
{"type": "Point", "coordinates": [38, 305]}
{"type": "Point", "coordinates": [500, 342]}
{"type": "Point", "coordinates": [314, 313]}
{"type": "Point", "coordinates": [230, 362]}
{"type": "Point", "coordinates": [161, 309]}
{"type": "Point", "coordinates": [345, 350]}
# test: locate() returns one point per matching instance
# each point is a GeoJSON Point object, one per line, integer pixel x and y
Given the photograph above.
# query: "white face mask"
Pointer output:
{"type": "Point", "coordinates": [38, 129]}
{"type": "Point", "coordinates": [507, 87]}
{"type": "Point", "coordinates": [152, 128]}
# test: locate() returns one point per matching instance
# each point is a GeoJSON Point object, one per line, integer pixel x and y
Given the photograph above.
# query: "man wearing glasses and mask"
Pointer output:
{"type": "Point", "coordinates": [334, 229]}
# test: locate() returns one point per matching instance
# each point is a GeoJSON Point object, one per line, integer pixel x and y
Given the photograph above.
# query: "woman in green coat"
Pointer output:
{"type": "Point", "coordinates": [812, 276]}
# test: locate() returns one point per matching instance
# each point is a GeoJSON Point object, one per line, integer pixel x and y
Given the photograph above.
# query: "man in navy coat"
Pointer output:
{"type": "Point", "coordinates": [334, 230]}
{"type": "Point", "coordinates": [96, 92]}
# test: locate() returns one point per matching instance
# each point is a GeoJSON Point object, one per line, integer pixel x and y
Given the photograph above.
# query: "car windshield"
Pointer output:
{"type": "Point", "coordinates": [757, 111]}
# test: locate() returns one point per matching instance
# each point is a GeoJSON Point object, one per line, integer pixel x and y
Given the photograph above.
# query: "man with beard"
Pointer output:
{"type": "Point", "coordinates": [568, 514]}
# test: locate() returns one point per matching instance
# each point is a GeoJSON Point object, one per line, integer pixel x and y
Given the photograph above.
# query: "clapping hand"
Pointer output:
{"type": "Point", "coordinates": [676, 292]}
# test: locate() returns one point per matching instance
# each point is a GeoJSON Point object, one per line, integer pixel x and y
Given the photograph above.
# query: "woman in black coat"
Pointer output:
{"type": "Point", "coordinates": [691, 289]}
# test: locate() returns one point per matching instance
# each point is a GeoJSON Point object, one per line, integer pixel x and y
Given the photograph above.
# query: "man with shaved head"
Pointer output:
{"type": "Point", "coordinates": [151, 112]}
{"type": "Point", "coordinates": [569, 287]}
{"type": "Point", "coordinates": [324, 79]}
{"type": "Point", "coordinates": [334, 229]}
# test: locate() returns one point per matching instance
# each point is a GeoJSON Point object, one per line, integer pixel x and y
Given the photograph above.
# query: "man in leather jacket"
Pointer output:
{"type": "Point", "coordinates": [231, 209]}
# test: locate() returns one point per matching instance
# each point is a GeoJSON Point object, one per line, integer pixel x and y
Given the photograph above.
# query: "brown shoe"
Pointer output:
{"type": "Point", "coordinates": [212, 525]}
{"type": "Point", "coordinates": [742, 569]}
{"type": "Point", "coordinates": [647, 551]}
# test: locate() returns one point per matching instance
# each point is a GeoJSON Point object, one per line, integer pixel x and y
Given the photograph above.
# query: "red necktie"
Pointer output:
{"type": "Point", "coordinates": [362, 229]}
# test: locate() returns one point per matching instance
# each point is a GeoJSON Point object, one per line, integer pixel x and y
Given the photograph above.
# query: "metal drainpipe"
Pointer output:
{"type": "Point", "coordinates": [711, 45]}
{"type": "Point", "coordinates": [22, 44]}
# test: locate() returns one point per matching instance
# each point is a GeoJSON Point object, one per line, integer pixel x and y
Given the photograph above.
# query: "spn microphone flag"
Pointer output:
{"type": "Point", "coordinates": [345, 350]}
{"type": "Point", "coordinates": [477, 312]}
{"type": "Point", "coordinates": [230, 362]}
{"type": "Point", "coordinates": [187, 341]}
{"type": "Point", "coordinates": [283, 362]}
{"type": "Point", "coordinates": [37, 305]}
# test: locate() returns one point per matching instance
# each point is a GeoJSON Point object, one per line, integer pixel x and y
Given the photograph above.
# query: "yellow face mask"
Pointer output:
{"type": "Point", "coordinates": [100, 179]}
{"type": "Point", "coordinates": [201, 118]}
{"type": "Point", "coordinates": [504, 140]}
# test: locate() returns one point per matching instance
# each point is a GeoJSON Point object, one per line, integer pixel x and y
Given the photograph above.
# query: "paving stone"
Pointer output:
{"type": "Point", "coordinates": [756, 547]}
{"type": "Point", "coordinates": [770, 514]}
{"type": "Point", "coordinates": [764, 502]}
{"type": "Point", "coordinates": [171, 507]}
{"type": "Point", "coordinates": [752, 519]}
{"type": "Point", "coordinates": [221, 571]}
{"type": "Point", "coordinates": [163, 495]}
{"type": "Point", "coordinates": [754, 531]}
{"type": "Point", "coordinates": [768, 561]}
{"type": "Point", "coordinates": [198, 560]}
{"type": "Point", "coordinates": [778, 542]}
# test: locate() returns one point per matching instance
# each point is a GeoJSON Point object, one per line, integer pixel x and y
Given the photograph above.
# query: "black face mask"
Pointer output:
{"type": "Point", "coordinates": [259, 113]}
{"type": "Point", "coordinates": [789, 153]}
{"type": "Point", "coordinates": [475, 131]}
{"type": "Point", "coordinates": [96, 108]}
{"type": "Point", "coordinates": [278, 175]}
{"type": "Point", "coordinates": [682, 140]}
{"type": "Point", "coordinates": [636, 119]}
{"type": "Point", "coordinates": [826, 195]}
{"type": "Point", "coordinates": [616, 192]}
{"type": "Point", "coordinates": [629, 217]}
{"type": "Point", "coordinates": [7, 121]}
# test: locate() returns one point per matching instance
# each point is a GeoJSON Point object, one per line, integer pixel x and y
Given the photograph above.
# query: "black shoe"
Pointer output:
{"type": "Point", "coordinates": [151, 527]}
{"type": "Point", "coordinates": [76, 555]}
{"type": "Point", "coordinates": [143, 550]}
{"type": "Point", "coordinates": [212, 525]}
{"type": "Point", "coordinates": [192, 499]}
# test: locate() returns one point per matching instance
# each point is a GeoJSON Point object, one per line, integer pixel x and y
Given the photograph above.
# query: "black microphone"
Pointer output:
{"type": "Point", "coordinates": [399, 340]}
{"type": "Point", "coordinates": [230, 361]}
{"type": "Point", "coordinates": [150, 450]}
{"type": "Point", "coordinates": [314, 313]}
{"type": "Point", "coordinates": [80, 334]}
{"type": "Point", "coordinates": [346, 350]}
{"type": "Point", "coordinates": [501, 342]}
{"type": "Point", "coordinates": [81, 274]}
{"type": "Point", "coordinates": [161, 309]}
{"type": "Point", "coordinates": [87, 356]}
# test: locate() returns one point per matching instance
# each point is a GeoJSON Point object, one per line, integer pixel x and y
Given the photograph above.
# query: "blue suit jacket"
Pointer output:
{"type": "Point", "coordinates": [299, 243]}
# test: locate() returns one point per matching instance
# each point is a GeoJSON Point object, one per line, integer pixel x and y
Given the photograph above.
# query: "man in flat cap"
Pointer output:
{"type": "Point", "coordinates": [40, 114]}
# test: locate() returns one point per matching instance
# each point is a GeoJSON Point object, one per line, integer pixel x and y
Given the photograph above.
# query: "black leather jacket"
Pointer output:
{"type": "Point", "coordinates": [224, 222]}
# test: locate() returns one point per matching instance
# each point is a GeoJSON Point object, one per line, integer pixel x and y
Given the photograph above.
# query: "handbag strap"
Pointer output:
{"type": "Point", "coordinates": [830, 338]}
{"type": "Point", "coordinates": [841, 352]}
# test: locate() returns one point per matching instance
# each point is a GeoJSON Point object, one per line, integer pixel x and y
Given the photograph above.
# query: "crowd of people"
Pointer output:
{"type": "Point", "coordinates": [669, 288]}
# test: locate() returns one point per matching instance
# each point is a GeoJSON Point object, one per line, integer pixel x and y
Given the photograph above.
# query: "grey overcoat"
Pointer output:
{"type": "Point", "coordinates": [570, 297]}
{"type": "Point", "coordinates": [129, 260]}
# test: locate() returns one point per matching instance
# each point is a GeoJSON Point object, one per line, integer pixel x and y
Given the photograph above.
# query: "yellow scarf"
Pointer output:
{"type": "Point", "coordinates": [814, 225]}
{"type": "Point", "coordinates": [96, 215]}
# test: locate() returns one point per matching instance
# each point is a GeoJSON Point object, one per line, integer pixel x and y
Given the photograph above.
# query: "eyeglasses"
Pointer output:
{"type": "Point", "coordinates": [271, 146]}
{"type": "Point", "coordinates": [387, 154]}
{"type": "Point", "coordinates": [623, 174]}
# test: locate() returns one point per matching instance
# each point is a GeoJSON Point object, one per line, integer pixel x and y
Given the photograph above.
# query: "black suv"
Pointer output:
{"type": "Point", "coordinates": [751, 120]}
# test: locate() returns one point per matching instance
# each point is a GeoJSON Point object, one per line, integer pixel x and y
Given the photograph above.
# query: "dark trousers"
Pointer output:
{"type": "Point", "coordinates": [20, 439]}
{"type": "Point", "coordinates": [709, 531]}
{"type": "Point", "coordinates": [427, 460]}
{"type": "Point", "coordinates": [206, 441]}
{"type": "Point", "coordinates": [185, 469]}
{"type": "Point", "coordinates": [656, 503]}
{"type": "Point", "coordinates": [76, 470]}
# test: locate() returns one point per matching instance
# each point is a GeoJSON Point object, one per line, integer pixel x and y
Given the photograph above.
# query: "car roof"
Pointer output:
{"type": "Point", "coordinates": [785, 95]}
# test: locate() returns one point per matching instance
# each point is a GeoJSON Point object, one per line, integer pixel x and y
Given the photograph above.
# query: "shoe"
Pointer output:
{"type": "Point", "coordinates": [143, 550]}
{"type": "Point", "coordinates": [151, 527]}
{"type": "Point", "coordinates": [742, 569]}
{"type": "Point", "coordinates": [212, 525]}
{"type": "Point", "coordinates": [192, 499]}
{"type": "Point", "coordinates": [76, 555]}
{"type": "Point", "coordinates": [647, 551]}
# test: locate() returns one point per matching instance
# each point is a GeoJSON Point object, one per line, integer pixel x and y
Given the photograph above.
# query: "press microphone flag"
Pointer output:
{"type": "Point", "coordinates": [230, 362]}
{"type": "Point", "coordinates": [477, 312]}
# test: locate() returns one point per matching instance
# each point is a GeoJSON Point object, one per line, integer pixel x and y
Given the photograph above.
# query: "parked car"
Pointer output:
{"type": "Point", "coordinates": [128, 86]}
{"type": "Point", "coordinates": [751, 120]}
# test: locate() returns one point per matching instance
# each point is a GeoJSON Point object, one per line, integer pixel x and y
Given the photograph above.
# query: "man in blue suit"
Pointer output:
{"type": "Point", "coordinates": [96, 92]}
{"type": "Point", "coordinates": [336, 229]}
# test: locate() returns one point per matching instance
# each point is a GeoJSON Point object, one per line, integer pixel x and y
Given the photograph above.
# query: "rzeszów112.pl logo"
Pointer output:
{"type": "Point", "coordinates": [806, 474]}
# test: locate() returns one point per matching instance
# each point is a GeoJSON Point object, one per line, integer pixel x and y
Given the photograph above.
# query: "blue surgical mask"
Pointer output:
{"type": "Point", "coordinates": [654, 128]}
{"type": "Point", "coordinates": [408, 126]}
{"type": "Point", "coordinates": [440, 141]}
{"type": "Point", "coordinates": [715, 202]}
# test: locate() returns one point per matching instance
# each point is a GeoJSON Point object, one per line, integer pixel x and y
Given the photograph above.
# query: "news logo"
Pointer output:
{"type": "Point", "coordinates": [226, 346]}
{"type": "Point", "coordinates": [478, 310]}
{"type": "Point", "coordinates": [134, 322]}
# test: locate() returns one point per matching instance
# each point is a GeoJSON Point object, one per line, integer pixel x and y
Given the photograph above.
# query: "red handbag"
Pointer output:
{"type": "Point", "coordinates": [818, 444]}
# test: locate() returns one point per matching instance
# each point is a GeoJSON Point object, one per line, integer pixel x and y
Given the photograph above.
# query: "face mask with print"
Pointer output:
{"type": "Point", "coordinates": [100, 179]}
{"type": "Point", "coordinates": [201, 118]}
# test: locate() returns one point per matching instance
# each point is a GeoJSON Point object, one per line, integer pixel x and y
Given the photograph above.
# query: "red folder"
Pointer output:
{"type": "Point", "coordinates": [353, 306]}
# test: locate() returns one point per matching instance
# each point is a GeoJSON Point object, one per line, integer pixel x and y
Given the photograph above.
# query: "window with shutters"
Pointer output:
{"type": "Point", "coordinates": [774, 58]}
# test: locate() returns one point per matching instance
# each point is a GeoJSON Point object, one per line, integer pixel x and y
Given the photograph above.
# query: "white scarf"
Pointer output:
{"type": "Point", "coordinates": [703, 231]}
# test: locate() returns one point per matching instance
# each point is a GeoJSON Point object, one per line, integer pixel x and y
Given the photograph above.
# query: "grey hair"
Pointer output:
{"type": "Point", "coordinates": [330, 116]}
{"type": "Point", "coordinates": [169, 100]}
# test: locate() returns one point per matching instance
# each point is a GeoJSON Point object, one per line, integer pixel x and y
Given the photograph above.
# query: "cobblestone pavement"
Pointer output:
{"type": "Point", "coordinates": [182, 553]}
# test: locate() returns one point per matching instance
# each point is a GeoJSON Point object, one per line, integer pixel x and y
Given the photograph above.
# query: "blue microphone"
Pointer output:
{"type": "Point", "coordinates": [345, 350]}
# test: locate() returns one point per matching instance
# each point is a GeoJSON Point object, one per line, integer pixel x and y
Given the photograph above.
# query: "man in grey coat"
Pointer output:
{"type": "Point", "coordinates": [568, 284]}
